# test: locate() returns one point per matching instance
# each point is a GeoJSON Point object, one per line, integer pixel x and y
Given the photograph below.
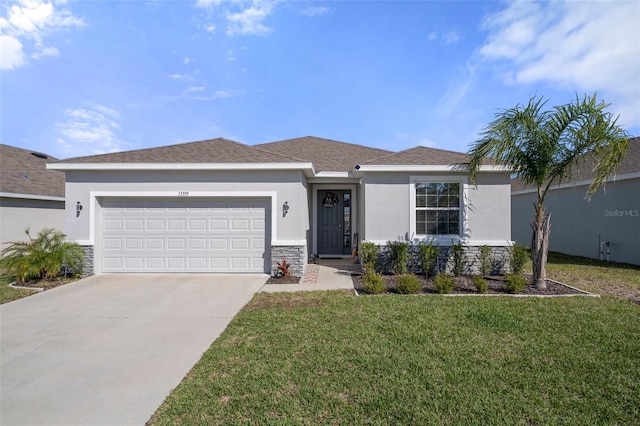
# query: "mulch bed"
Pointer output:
{"type": "Point", "coordinates": [464, 285]}
{"type": "Point", "coordinates": [47, 285]}
{"type": "Point", "coordinates": [283, 280]}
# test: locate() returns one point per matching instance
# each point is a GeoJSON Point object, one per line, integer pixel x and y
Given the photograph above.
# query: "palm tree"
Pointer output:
{"type": "Point", "coordinates": [547, 147]}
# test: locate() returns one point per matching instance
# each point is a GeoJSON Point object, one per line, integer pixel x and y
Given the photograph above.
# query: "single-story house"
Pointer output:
{"type": "Point", "coordinates": [223, 206]}
{"type": "Point", "coordinates": [607, 226]}
{"type": "Point", "coordinates": [30, 195]}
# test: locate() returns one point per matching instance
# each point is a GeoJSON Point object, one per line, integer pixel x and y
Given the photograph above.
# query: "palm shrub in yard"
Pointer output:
{"type": "Point", "coordinates": [399, 256]}
{"type": "Point", "coordinates": [42, 257]}
{"type": "Point", "coordinates": [429, 256]}
{"type": "Point", "coordinates": [373, 283]}
{"type": "Point", "coordinates": [408, 284]}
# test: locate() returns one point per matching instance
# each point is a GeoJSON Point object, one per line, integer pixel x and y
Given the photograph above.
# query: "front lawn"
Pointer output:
{"type": "Point", "coordinates": [333, 358]}
{"type": "Point", "coordinates": [617, 279]}
{"type": "Point", "coordinates": [7, 294]}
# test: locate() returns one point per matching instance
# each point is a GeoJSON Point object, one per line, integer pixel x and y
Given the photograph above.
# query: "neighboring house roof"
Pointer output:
{"type": "Point", "coordinates": [325, 154]}
{"type": "Point", "coordinates": [23, 172]}
{"type": "Point", "coordinates": [630, 164]}
{"type": "Point", "coordinates": [218, 150]}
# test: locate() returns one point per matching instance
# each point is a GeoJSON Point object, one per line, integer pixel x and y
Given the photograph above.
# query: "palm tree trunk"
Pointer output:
{"type": "Point", "coordinates": [540, 246]}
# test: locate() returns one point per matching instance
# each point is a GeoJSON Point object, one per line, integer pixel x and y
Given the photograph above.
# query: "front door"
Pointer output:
{"type": "Point", "coordinates": [334, 222]}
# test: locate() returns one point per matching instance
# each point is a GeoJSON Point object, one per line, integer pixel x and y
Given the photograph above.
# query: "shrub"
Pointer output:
{"type": "Point", "coordinates": [486, 260]}
{"type": "Point", "coordinates": [399, 256]}
{"type": "Point", "coordinates": [429, 256]}
{"type": "Point", "coordinates": [408, 284]}
{"type": "Point", "coordinates": [373, 283]}
{"type": "Point", "coordinates": [42, 257]}
{"type": "Point", "coordinates": [458, 259]}
{"type": "Point", "coordinates": [516, 283]}
{"type": "Point", "coordinates": [369, 255]}
{"type": "Point", "coordinates": [518, 256]}
{"type": "Point", "coordinates": [443, 283]}
{"type": "Point", "coordinates": [480, 283]}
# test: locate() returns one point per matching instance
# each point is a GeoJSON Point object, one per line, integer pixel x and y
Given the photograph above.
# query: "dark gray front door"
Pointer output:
{"type": "Point", "coordinates": [334, 222]}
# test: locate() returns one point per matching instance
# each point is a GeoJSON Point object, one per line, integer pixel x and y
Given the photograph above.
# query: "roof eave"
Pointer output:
{"type": "Point", "coordinates": [30, 196]}
{"type": "Point", "coordinates": [427, 168]}
{"type": "Point", "coordinates": [306, 167]}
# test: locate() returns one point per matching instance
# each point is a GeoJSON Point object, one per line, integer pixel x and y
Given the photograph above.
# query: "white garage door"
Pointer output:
{"type": "Point", "coordinates": [178, 235]}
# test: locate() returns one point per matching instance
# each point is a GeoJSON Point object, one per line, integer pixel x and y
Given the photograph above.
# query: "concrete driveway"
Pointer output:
{"type": "Point", "coordinates": [108, 349]}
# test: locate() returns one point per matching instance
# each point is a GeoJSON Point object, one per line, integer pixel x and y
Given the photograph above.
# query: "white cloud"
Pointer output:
{"type": "Point", "coordinates": [187, 60]}
{"type": "Point", "coordinates": [90, 130]}
{"type": "Point", "coordinates": [581, 46]}
{"type": "Point", "coordinates": [451, 37]}
{"type": "Point", "coordinates": [250, 20]}
{"type": "Point", "coordinates": [315, 11]}
{"type": "Point", "coordinates": [193, 89]}
{"type": "Point", "coordinates": [25, 26]}
{"type": "Point", "coordinates": [11, 54]}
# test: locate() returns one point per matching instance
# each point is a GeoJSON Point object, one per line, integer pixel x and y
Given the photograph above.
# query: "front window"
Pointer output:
{"type": "Point", "coordinates": [437, 208]}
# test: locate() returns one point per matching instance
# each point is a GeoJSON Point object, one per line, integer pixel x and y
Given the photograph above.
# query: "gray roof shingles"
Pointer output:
{"type": "Point", "coordinates": [218, 150]}
{"type": "Point", "coordinates": [325, 154]}
{"type": "Point", "coordinates": [21, 172]}
{"type": "Point", "coordinates": [421, 156]}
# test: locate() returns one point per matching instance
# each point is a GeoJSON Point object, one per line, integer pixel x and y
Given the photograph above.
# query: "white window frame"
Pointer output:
{"type": "Point", "coordinates": [463, 181]}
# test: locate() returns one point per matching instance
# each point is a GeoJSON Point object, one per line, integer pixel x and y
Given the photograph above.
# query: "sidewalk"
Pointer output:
{"type": "Point", "coordinates": [327, 274]}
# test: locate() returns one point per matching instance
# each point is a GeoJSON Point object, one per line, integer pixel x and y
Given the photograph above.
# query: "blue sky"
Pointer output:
{"type": "Point", "coordinates": [86, 77]}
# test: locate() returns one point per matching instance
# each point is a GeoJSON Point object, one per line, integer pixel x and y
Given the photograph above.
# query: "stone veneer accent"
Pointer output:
{"type": "Point", "coordinates": [500, 260]}
{"type": "Point", "coordinates": [295, 255]}
{"type": "Point", "coordinates": [88, 261]}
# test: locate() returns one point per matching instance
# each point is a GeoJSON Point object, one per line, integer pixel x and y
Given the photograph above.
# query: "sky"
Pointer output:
{"type": "Point", "coordinates": [89, 77]}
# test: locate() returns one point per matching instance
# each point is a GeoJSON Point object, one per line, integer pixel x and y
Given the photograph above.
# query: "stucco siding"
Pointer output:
{"type": "Point", "coordinates": [387, 206]}
{"type": "Point", "coordinates": [578, 225]}
{"type": "Point", "coordinates": [489, 208]}
{"type": "Point", "coordinates": [289, 186]}
{"type": "Point", "coordinates": [486, 207]}
{"type": "Point", "coordinates": [18, 214]}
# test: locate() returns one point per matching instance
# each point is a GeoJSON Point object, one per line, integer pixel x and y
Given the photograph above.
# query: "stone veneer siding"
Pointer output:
{"type": "Point", "coordinates": [295, 255]}
{"type": "Point", "coordinates": [500, 260]}
{"type": "Point", "coordinates": [88, 261]}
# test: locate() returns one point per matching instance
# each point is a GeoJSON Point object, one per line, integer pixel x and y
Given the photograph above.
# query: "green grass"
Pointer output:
{"type": "Point", "coordinates": [7, 294]}
{"type": "Point", "coordinates": [604, 278]}
{"type": "Point", "coordinates": [333, 358]}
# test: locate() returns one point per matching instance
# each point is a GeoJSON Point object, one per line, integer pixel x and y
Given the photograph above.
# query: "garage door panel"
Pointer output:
{"type": "Point", "coordinates": [184, 235]}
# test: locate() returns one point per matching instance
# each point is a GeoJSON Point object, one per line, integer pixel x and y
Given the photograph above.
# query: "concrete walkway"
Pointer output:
{"type": "Point", "coordinates": [108, 349]}
{"type": "Point", "coordinates": [327, 274]}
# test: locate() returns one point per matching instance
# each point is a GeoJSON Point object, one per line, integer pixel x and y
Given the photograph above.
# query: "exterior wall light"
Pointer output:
{"type": "Point", "coordinates": [78, 208]}
{"type": "Point", "coordinates": [285, 209]}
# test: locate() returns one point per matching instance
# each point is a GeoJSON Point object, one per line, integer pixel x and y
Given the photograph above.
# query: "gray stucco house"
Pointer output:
{"type": "Point", "coordinates": [609, 222]}
{"type": "Point", "coordinates": [30, 195]}
{"type": "Point", "coordinates": [222, 206]}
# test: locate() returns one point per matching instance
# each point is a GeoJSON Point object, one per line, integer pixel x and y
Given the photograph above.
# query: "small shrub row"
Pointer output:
{"type": "Point", "coordinates": [516, 283]}
{"type": "Point", "coordinates": [373, 283]}
{"type": "Point", "coordinates": [443, 283]}
{"type": "Point", "coordinates": [408, 284]}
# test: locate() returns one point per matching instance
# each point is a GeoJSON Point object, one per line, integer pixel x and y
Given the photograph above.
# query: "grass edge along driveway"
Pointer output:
{"type": "Point", "coordinates": [333, 358]}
